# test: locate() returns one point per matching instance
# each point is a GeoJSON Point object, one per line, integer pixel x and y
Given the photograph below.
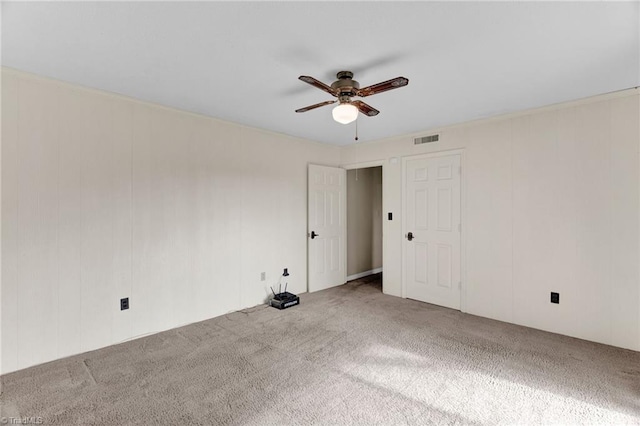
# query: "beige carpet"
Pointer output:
{"type": "Point", "coordinates": [348, 355]}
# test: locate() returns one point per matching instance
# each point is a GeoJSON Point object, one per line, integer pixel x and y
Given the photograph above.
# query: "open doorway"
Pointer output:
{"type": "Point", "coordinates": [364, 225]}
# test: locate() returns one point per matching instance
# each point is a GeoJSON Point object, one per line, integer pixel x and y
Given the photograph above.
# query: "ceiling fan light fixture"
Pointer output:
{"type": "Point", "coordinates": [345, 113]}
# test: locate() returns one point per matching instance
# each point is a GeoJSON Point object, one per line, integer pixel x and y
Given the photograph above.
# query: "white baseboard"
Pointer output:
{"type": "Point", "coordinates": [364, 274]}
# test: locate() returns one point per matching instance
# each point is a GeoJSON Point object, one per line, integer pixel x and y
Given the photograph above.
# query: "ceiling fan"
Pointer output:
{"type": "Point", "coordinates": [344, 88]}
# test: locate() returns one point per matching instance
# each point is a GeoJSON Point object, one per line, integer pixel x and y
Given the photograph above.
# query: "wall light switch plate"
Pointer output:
{"type": "Point", "coordinates": [263, 276]}
{"type": "Point", "coordinates": [555, 297]}
{"type": "Point", "coordinates": [124, 304]}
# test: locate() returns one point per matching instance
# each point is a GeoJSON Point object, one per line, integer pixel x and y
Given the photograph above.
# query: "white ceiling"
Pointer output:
{"type": "Point", "coordinates": [240, 61]}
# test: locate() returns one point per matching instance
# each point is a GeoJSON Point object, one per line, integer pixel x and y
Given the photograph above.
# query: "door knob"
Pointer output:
{"type": "Point", "coordinates": [410, 236]}
{"type": "Point", "coordinates": [313, 234]}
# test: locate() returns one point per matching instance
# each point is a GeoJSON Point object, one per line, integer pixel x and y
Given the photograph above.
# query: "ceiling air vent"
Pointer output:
{"type": "Point", "coordinates": [426, 139]}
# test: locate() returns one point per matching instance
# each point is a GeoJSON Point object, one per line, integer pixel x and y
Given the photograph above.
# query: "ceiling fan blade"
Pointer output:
{"type": "Point", "coordinates": [305, 109]}
{"type": "Point", "coordinates": [366, 109]}
{"type": "Point", "coordinates": [394, 83]}
{"type": "Point", "coordinates": [317, 83]}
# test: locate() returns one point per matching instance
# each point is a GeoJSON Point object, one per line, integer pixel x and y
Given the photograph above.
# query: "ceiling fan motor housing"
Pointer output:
{"type": "Point", "coordinates": [345, 85]}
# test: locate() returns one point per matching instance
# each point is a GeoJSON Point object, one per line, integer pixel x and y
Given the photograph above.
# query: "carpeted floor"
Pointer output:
{"type": "Point", "coordinates": [348, 355]}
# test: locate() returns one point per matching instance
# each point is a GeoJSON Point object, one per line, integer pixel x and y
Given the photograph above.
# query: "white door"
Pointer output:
{"type": "Point", "coordinates": [432, 229]}
{"type": "Point", "coordinates": [327, 227]}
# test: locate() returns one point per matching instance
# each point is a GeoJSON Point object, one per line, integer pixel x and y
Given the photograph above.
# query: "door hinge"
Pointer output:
{"type": "Point", "coordinates": [459, 227]}
{"type": "Point", "coordinates": [459, 285]}
{"type": "Point", "coordinates": [460, 170]}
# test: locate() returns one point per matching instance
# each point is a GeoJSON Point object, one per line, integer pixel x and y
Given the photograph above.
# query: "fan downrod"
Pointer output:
{"type": "Point", "coordinates": [341, 75]}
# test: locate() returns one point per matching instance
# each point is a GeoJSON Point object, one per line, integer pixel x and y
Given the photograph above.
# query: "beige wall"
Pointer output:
{"type": "Point", "coordinates": [364, 220]}
{"type": "Point", "coordinates": [551, 203]}
{"type": "Point", "coordinates": [105, 197]}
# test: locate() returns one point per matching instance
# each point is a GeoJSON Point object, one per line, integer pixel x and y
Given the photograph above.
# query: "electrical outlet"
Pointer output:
{"type": "Point", "coordinates": [263, 276]}
{"type": "Point", "coordinates": [124, 304]}
{"type": "Point", "coordinates": [555, 297]}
